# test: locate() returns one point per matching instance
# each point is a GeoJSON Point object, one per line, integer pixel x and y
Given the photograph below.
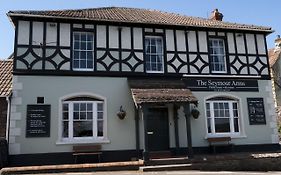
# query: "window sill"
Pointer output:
{"type": "Point", "coordinates": [81, 141]}
{"type": "Point", "coordinates": [233, 136]}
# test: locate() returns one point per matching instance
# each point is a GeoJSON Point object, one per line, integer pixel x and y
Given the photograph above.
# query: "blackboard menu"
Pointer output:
{"type": "Point", "coordinates": [38, 121]}
{"type": "Point", "coordinates": [256, 111]}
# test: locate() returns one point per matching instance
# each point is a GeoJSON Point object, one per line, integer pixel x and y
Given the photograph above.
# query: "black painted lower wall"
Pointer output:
{"type": "Point", "coordinates": [123, 155]}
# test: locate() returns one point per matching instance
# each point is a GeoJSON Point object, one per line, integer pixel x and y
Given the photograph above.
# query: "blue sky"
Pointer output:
{"type": "Point", "coordinates": [261, 12]}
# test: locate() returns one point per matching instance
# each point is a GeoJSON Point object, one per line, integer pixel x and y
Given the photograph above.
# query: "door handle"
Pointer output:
{"type": "Point", "coordinates": [150, 133]}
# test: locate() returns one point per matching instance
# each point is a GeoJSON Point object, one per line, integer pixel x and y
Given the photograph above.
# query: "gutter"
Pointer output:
{"type": "Point", "coordinates": [8, 99]}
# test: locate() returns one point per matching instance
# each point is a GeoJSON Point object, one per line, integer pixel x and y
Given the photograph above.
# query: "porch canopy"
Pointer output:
{"type": "Point", "coordinates": [148, 91]}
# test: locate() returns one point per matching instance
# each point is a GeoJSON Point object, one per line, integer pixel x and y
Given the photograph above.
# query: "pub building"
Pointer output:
{"type": "Point", "coordinates": [136, 83]}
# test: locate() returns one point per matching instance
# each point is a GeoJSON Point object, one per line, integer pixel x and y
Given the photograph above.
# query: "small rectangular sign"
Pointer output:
{"type": "Point", "coordinates": [256, 111]}
{"type": "Point", "coordinates": [201, 84]}
{"type": "Point", "coordinates": [38, 121]}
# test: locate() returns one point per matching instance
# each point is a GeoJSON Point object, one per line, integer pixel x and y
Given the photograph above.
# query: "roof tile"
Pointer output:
{"type": "Point", "coordinates": [6, 67]}
{"type": "Point", "coordinates": [136, 15]}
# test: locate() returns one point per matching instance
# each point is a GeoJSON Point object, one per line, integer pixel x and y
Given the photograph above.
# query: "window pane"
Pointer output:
{"type": "Point", "coordinates": [83, 107]}
{"type": "Point", "coordinates": [83, 37]}
{"type": "Point", "coordinates": [82, 115]}
{"type": "Point", "coordinates": [89, 106]}
{"type": "Point", "coordinates": [76, 115]}
{"type": "Point", "coordinates": [89, 37]}
{"type": "Point", "coordinates": [76, 45]}
{"type": "Point", "coordinates": [83, 55]}
{"type": "Point", "coordinates": [82, 128]}
{"type": "Point", "coordinates": [89, 45]}
{"type": "Point", "coordinates": [100, 106]}
{"type": "Point", "coordinates": [65, 129]}
{"type": "Point", "coordinates": [65, 107]}
{"type": "Point", "coordinates": [100, 128]}
{"type": "Point", "coordinates": [89, 115]}
{"type": "Point", "coordinates": [222, 125]}
{"type": "Point", "coordinates": [83, 64]}
{"type": "Point", "coordinates": [76, 64]}
{"type": "Point", "coordinates": [76, 37]}
{"type": "Point", "coordinates": [236, 125]}
{"type": "Point", "coordinates": [100, 115]}
{"type": "Point", "coordinates": [209, 125]}
{"type": "Point", "coordinates": [65, 115]}
{"type": "Point", "coordinates": [76, 107]}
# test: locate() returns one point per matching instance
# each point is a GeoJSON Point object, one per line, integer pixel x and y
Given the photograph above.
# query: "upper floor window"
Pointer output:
{"type": "Point", "coordinates": [154, 54]}
{"type": "Point", "coordinates": [222, 116]}
{"type": "Point", "coordinates": [83, 51]}
{"type": "Point", "coordinates": [217, 55]}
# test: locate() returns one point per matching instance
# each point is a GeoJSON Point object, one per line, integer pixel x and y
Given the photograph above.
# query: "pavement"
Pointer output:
{"type": "Point", "coordinates": [231, 162]}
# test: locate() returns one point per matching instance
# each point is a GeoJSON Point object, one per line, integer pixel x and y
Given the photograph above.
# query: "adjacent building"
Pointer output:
{"type": "Point", "coordinates": [136, 81]}
{"type": "Point", "coordinates": [6, 67]}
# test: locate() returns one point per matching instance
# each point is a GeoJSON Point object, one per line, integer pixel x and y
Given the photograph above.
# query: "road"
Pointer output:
{"type": "Point", "coordinates": [168, 173]}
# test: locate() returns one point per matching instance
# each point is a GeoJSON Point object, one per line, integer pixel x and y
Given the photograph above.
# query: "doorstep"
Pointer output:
{"type": "Point", "coordinates": [111, 166]}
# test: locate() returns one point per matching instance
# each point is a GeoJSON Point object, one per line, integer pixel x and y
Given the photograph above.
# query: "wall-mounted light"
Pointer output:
{"type": "Point", "coordinates": [121, 113]}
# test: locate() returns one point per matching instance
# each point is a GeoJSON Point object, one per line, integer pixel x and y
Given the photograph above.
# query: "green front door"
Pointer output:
{"type": "Point", "coordinates": [158, 129]}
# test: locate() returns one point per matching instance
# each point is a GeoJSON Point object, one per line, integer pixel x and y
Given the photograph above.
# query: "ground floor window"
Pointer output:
{"type": "Point", "coordinates": [222, 116]}
{"type": "Point", "coordinates": [82, 118]}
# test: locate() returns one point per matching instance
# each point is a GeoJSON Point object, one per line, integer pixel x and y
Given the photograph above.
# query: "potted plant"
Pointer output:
{"type": "Point", "coordinates": [195, 113]}
{"type": "Point", "coordinates": [121, 114]}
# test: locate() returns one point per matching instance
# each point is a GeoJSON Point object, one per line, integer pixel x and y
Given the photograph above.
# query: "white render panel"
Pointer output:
{"type": "Point", "coordinates": [230, 42]}
{"type": "Point", "coordinates": [113, 37]}
{"type": "Point", "coordinates": [126, 38]}
{"type": "Point", "coordinates": [37, 33]}
{"type": "Point", "coordinates": [221, 34]}
{"type": "Point", "coordinates": [77, 26]}
{"type": "Point", "coordinates": [250, 38]}
{"type": "Point", "coordinates": [101, 36]}
{"type": "Point", "coordinates": [183, 68]}
{"type": "Point", "coordinates": [261, 45]}
{"type": "Point", "coordinates": [203, 45]}
{"type": "Point", "coordinates": [148, 30]}
{"type": "Point", "coordinates": [206, 69]}
{"type": "Point", "coordinates": [192, 44]}
{"type": "Point", "coordinates": [170, 44]}
{"type": "Point", "coordinates": [51, 38]}
{"type": "Point", "coordinates": [138, 38]}
{"type": "Point", "coordinates": [181, 45]}
{"type": "Point", "coordinates": [240, 43]}
{"type": "Point", "coordinates": [65, 34]}
{"type": "Point", "coordinates": [89, 26]}
{"type": "Point", "coordinates": [23, 32]}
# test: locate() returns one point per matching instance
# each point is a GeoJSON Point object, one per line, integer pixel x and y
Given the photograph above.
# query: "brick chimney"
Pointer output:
{"type": "Point", "coordinates": [216, 15]}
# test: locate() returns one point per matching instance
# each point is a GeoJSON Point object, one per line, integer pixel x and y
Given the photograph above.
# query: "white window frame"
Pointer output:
{"type": "Point", "coordinates": [73, 50]}
{"type": "Point", "coordinates": [232, 134]}
{"type": "Point", "coordinates": [219, 54]}
{"type": "Point", "coordinates": [155, 37]}
{"type": "Point", "coordinates": [82, 140]}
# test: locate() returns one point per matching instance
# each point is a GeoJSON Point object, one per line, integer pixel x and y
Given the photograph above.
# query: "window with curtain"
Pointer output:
{"type": "Point", "coordinates": [222, 116]}
{"type": "Point", "coordinates": [82, 118]}
{"type": "Point", "coordinates": [154, 54]}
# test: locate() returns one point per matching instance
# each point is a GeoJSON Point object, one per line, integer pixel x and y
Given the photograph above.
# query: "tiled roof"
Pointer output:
{"type": "Point", "coordinates": [160, 91]}
{"type": "Point", "coordinates": [136, 15]}
{"type": "Point", "coordinates": [273, 55]}
{"type": "Point", "coordinates": [6, 67]}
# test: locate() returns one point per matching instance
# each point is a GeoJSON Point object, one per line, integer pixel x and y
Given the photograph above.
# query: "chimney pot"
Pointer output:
{"type": "Point", "coordinates": [216, 15]}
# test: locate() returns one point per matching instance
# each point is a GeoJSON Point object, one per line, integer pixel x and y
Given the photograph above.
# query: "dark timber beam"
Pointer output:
{"type": "Point", "coordinates": [145, 149]}
{"type": "Point", "coordinates": [137, 127]}
{"type": "Point", "coordinates": [176, 107]}
{"type": "Point", "coordinates": [188, 129]}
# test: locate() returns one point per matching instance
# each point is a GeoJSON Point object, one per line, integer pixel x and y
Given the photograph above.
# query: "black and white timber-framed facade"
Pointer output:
{"type": "Point", "coordinates": [85, 53]}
